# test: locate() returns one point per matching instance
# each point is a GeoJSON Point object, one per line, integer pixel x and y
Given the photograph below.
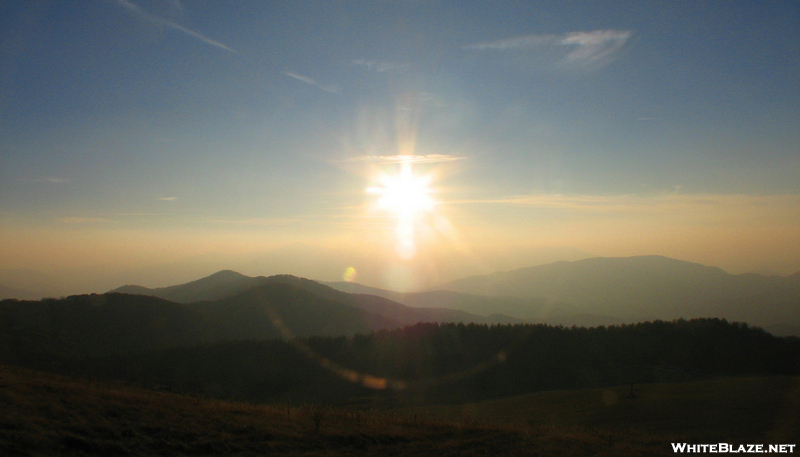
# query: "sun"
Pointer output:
{"type": "Point", "coordinates": [405, 194]}
{"type": "Point", "coordinates": [407, 197]}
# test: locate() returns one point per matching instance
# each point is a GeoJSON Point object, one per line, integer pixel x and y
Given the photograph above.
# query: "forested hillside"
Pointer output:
{"type": "Point", "coordinates": [37, 333]}
{"type": "Point", "coordinates": [433, 363]}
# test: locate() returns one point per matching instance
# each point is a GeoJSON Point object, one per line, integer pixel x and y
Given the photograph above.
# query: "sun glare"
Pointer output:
{"type": "Point", "coordinates": [407, 197]}
{"type": "Point", "coordinates": [404, 194]}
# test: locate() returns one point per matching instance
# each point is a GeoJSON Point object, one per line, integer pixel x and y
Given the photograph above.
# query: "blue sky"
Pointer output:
{"type": "Point", "coordinates": [135, 135]}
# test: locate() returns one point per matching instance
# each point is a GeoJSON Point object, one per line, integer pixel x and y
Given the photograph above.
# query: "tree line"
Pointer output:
{"type": "Point", "coordinates": [434, 363]}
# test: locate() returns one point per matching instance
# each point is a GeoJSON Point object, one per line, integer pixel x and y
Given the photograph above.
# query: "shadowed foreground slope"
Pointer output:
{"type": "Point", "coordinates": [43, 414]}
{"type": "Point", "coordinates": [748, 409]}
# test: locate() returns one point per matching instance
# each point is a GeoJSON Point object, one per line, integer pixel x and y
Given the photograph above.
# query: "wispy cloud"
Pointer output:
{"type": "Point", "coordinates": [575, 49]}
{"type": "Point", "coordinates": [593, 47]}
{"type": "Point", "coordinates": [378, 66]}
{"type": "Point", "coordinates": [415, 101]}
{"type": "Point", "coordinates": [144, 15]}
{"type": "Point", "coordinates": [404, 158]}
{"type": "Point", "coordinates": [326, 87]}
{"type": "Point", "coordinates": [700, 204]}
{"type": "Point", "coordinates": [255, 221]}
{"type": "Point", "coordinates": [50, 179]}
{"type": "Point", "coordinates": [167, 199]}
{"type": "Point", "coordinates": [86, 220]}
{"type": "Point", "coordinates": [176, 7]}
{"type": "Point", "coordinates": [524, 42]}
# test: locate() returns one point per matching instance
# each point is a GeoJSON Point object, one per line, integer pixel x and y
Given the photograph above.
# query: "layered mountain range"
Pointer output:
{"type": "Point", "coordinates": [602, 291]}
{"type": "Point", "coordinates": [228, 283]}
{"type": "Point", "coordinates": [590, 292]}
{"type": "Point", "coordinates": [231, 335]}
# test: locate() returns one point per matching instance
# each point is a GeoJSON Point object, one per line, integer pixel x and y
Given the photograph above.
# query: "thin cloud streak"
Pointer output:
{"type": "Point", "coordinates": [404, 158]}
{"type": "Point", "coordinates": [173, 25]}
{"type": "Point", "coordinates": [255, 221]}
{"type": "Point", "coordinates": [86, 220]}
{"type": "Point", "coordinates": [636, 203]}
{"type": "Point", "coordinates": [570, 49]}
{"type": "Point", "coordinates": [51, 179]}
{"type": "Point", "coordinates": [326, 87]}
{"type": "Point", "coordinates": [594, 46]}
{"type": "Point", "coordinates": [378, 66]}
{"type": "Point", "coordinates": [523, 42]}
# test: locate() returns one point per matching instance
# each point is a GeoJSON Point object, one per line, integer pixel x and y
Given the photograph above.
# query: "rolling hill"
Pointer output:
{"type": "Point", "coordinates": [221, 284]}
{"type": "Point", "coordinates": [227, 283]}
{"type": "Point", "coordinates": [38, 333]}
{"type": "Point", "coordinates": [20, 294]}
{"type": "Point", "coordinates": [589, 292]}
{"type": "Point", "coordinates": [279, 309]}
{"type": "Point", "coordinates": [26, 284]}
{"type": "Point", "coordinates": [450, 363]}
{"type": "Point", "coordinates": [505, 309]}
{"type": "Point", "coordinates": [646, 288]}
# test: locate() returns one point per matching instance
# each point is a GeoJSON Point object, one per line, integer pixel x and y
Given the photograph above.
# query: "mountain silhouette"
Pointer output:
{"type": "Point", "coordinates": [527, 309]}
{"type": "Point", "coordinates": [221, 284]}
{"type": "Point", "coordinates": [280, 309]}
{"type": "Point", "coordinates": [227, 283]}
{"type": "Point", "coordinates": [113, 323]}
{"type": "Point", "coordinates": [15, 293]}
{"type": "Point", "coordinates": [646, 288]}
{"type": "Point", "coordinates": [589, 292]}
{"type": "Point", "coordinates": [94, 325]}
{"type": "Point", "coordinates": [27, 284]}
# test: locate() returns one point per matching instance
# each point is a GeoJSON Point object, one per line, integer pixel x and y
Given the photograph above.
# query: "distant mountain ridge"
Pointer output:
{"type": "Point", "coordinates": [135, 319]}
{"type": "Point", "coordinates": [589, 292]}
{"type": "Point", "coordinates": [227, 283]}
{"type": "Point", "coordinates": [646, 288]}
{"type": "Point", "coordinates": [528, 309]}
{"type": "Point", "coordinates": [19, 294]}
{"type": "Point", "coordinates": [113, 323]}
{"type": "Point", "coordinates": [213, 287]}
{"type": "Point", "coordinates": [26, 284]}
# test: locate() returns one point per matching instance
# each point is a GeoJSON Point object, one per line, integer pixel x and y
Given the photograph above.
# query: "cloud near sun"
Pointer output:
{"type": "Point", "coordinates": [706, 206]}
{"type": "Point", "coordinates": [332, 88]}
{"type": "Point", "coordinates": [404, 158]}
{"type": "Point", "coordinates": [86, 220]}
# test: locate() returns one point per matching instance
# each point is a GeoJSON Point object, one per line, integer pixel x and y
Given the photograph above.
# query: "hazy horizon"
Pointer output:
{"type": "Point", "coordinates": [397, 144]}
{"type": "Point", "coordinates": [98, 280]}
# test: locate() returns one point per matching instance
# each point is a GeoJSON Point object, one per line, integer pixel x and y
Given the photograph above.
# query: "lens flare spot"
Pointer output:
{"type": "Point", "coordinates": [350, 274]}
{"type": "Point", "coordinates": [374, 382]}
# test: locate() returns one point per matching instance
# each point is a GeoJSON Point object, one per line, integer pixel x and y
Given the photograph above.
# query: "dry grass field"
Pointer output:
{"type": "Point", "coordinates": [745, 410]}
{"type": "Point", "coordinates": [44, 414]}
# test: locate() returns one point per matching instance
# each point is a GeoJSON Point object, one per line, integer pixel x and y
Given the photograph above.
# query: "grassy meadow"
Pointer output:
{"type": "Point", "coordinates": [746, 409]}
{"type": "Point", "coordinates": [45, 414]}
